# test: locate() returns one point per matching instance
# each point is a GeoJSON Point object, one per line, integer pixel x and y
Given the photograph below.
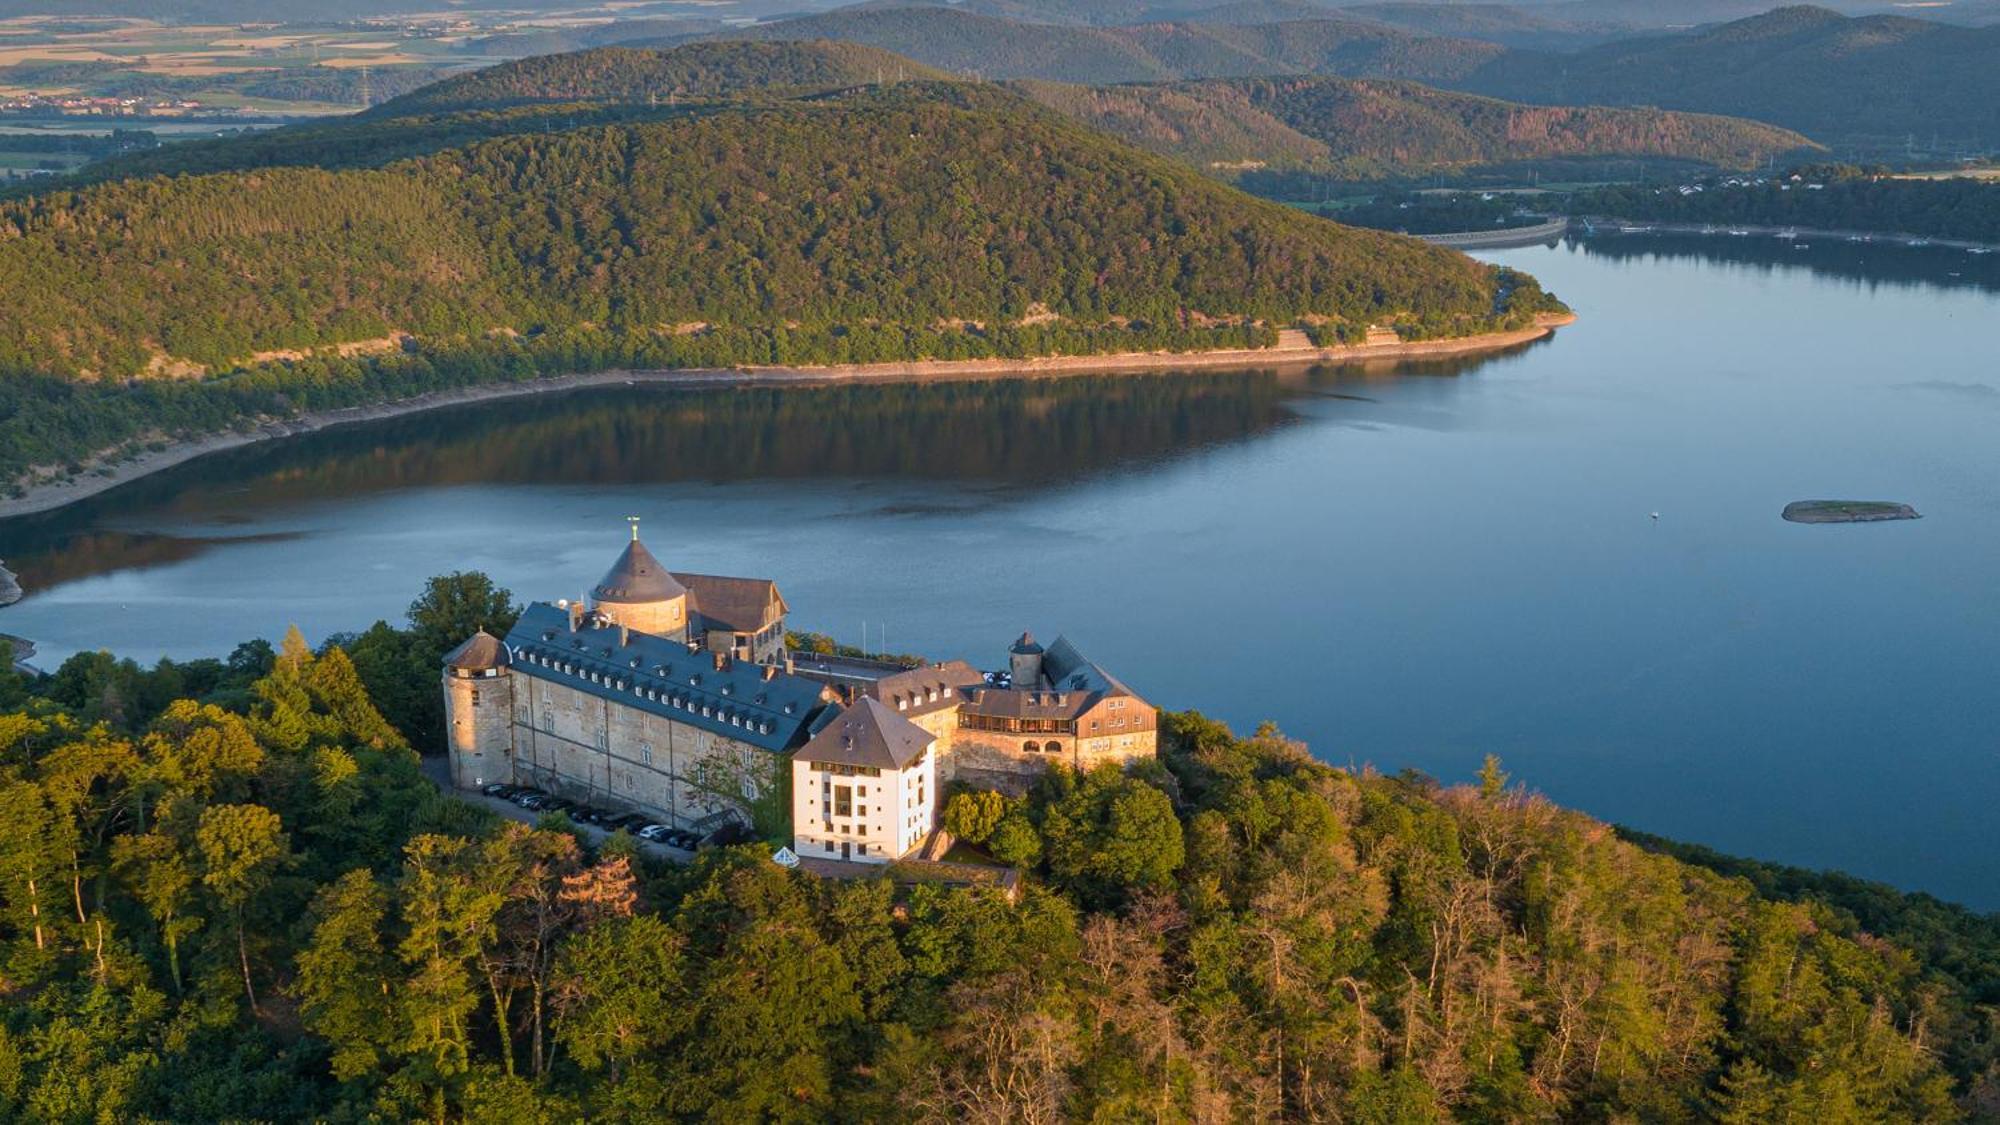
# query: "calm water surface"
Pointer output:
{"type": "Point", "coordinates": [1407, 565]}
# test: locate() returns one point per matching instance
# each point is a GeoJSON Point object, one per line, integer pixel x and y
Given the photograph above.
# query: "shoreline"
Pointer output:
{"type": "Point", "coordinates": [1292, 349]}
{"type": "Point", "coordinates": [1609, 224]}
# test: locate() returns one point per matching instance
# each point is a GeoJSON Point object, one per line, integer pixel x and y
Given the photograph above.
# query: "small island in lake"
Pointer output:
{"type": "Point", "coordinates": [1847, 511]}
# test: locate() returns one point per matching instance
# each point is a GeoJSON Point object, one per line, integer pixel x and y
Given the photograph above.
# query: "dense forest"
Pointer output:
{"type": "Point", "coordinates": [623, 74]}
{"type": "Point", "coordinates": [993, 47]}
{"type": "Point", "coordinates": [1358, 130]}
{"type": "Point", "coordinates": [805, 231]}
{"type": "Point", "coordinates": [1877, 81]}
{"type": "Point", "coordinates": [1839, 197]}
{"type": "Point", "coordinates": [229, 892]}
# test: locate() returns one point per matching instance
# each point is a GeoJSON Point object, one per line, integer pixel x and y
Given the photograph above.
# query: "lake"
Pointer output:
{"type": "Point", "coordinates": [1408, 565]}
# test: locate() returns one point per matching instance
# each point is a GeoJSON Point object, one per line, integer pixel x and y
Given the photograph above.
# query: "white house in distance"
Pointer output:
{"type": "Point", "coordinates": [865, 787]}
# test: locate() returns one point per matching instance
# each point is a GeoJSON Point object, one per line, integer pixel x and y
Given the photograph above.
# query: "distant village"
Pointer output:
{"type": "Point", "coordinates": [84, 105]}
{"type": "Point", "coordinates": [670, 701]}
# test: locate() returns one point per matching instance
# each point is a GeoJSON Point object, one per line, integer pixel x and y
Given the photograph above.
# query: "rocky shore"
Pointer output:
{"type": "Point", "coordinates": [10, 590]}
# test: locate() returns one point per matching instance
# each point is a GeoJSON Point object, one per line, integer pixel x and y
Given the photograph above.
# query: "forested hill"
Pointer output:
{"type": "Point", "coordinates": [621, 74]}
{"type": "Point", "coordinates": [994, 48]}
{"type": "Point", "coordinates": [1832, 77]}
{"type": "Point", "coordinates": [1835, 78]}
{"type": "Point", "coordinates": [922, 220]}
{"type": "Point", "coordinates": [1360, 128]}
{"type": "Point", "coordinates": [231, 895]}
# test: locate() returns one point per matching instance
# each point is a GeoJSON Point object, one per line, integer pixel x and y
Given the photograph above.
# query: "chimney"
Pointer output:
{"type": "Point", "coordinates": [770, 672]}
{"type": "Point", "coordinates": [624, 636]}
{"type": "Point", "coordinates": [721, 661]}
{"type": "Point", "coordinates": [788, 662]}
{"type": "Point", "coordinates": [575, 616]}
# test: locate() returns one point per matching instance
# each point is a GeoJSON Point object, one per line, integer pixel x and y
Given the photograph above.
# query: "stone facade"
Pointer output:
{"type": "Point", "coordinates": [672, 695]}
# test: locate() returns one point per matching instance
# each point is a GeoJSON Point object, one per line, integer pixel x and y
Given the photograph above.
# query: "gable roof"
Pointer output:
{"type": "Point", "coordinates": [754, 703]}
{"type": "Point", "coordinates": [868, 734]}
{"type": "Point", "coordinates": [1069, 670]}
{"type": "Point", "coordinates": [933, 687]}
{"type": "Point", "coordinates": [737, 605]}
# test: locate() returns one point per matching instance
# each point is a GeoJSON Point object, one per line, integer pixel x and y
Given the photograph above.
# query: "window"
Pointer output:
{"type": "Point", "coordinates": [863, 849]}
{"type": "Point", "coordinates": [646, 753]}
{"type": "Point", "coordinates": [1031, 747]}
{"type": "Point", "coordinates": [843, 801]}
{"type": "Point", "coordinates": [1055, 747]}
{"type": "Point", "coordinates": [475, 697]}
{"type": "Point", "coordinates": [828, 843]}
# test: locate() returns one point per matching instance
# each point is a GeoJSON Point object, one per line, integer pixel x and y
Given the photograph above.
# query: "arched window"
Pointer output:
{"type": "Point", "coordinates": [1055, 747]}
{"type": "Point", "coordinates": [1031, 747]}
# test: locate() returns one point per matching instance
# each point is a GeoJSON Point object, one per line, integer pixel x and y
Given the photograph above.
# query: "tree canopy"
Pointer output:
{"type": "Point", "coordinates": [251, 904]}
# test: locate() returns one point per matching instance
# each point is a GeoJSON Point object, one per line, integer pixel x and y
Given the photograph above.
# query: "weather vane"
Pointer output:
{"type": "Point", "coordinates": [634, 521]}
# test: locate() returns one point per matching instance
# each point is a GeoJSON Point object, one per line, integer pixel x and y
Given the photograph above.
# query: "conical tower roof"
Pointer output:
{"type": "Point", "coordinates": [1026, 646]}
{"type": "Point", "coordinates": [637, 577]}
{"type": "Point", "coordinates": [480, 652]}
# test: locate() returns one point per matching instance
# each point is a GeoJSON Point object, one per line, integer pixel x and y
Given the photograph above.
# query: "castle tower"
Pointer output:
{"type": "Point", "coordinates": [478, 712]}
{"type": "Point", "coordinates": [638, 593]}
{"type": "Point", "coordinates": [1024, 662]}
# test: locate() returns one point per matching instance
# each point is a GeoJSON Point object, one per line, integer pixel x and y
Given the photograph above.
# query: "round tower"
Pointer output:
{"type": "Point", "coordinates": [1024, 663]}
{"type": "Point", "coordinates": [638, 593]}
{"type": "Point", "coordinates": [479, 712]}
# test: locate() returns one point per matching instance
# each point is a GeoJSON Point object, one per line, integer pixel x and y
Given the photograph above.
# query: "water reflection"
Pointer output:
{"type": "Point", "coordinates": [1019, 435]}
{"type": "Point", "coordinates": [1871, 265]}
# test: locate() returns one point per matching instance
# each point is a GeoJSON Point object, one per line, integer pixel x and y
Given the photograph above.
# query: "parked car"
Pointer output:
{"type": "Point", "coordinates": [497, 789]}
{"type": "Point", "coordinates": [530, 798]}
{"type": "Point", "coordinates": [654, 832]}
{"type": "Point", "coordinates": [630, 822]}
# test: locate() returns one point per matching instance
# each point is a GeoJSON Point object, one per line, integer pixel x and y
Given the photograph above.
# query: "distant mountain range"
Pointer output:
{"type": "Point", "coordinates": [992, 47]}
{"type": "Point", "coordinates": [1359, 129]}
{"type": "Point", "coordinates": [1366, 128]}
{"type": "Point", "coordinates": [1832, 77]}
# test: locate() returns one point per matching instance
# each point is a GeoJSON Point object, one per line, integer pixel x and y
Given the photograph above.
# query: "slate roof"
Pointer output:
{"type": "Point", "coordinates": [637, 577]}
{"type": "Point", "coordinates": [1026, 646]}
{"type": "Point", "coordinates": [1066, 669]}
{"type": "Point", "coordinates": [1075, 685]}
{"type": "Point", "coordinates": [934, 687]}
{"type": "Point", "coordinates": [736, 605]}
{"type": "Point", "coordinates": [664, 678]}
{"type": "Point", "coordinates": [480, 652]}
{"type": "Point", "coordinates": [868, 734]}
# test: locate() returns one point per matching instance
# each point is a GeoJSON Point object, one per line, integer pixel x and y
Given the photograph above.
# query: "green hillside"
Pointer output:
{"type": "Point", "coordinates": [1368, 128]}
{"type": "Point", "coordinates": [925, 220]}
{"type": "Point", "coordinates": [994, 48]}
{"type": "Point", "coordinates": [1856, 80]}
{"type": "Point", "coordinates": [622, 74]}
{"type": "Point", "coordinates": [232, 895]}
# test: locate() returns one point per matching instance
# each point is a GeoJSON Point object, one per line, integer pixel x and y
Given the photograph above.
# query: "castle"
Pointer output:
{"type": "Point", "coordinates": [675, 695]}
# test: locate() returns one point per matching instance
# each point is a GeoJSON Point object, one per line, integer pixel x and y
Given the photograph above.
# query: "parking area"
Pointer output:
{"type": "Point", "coordinates": [678, 848]}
